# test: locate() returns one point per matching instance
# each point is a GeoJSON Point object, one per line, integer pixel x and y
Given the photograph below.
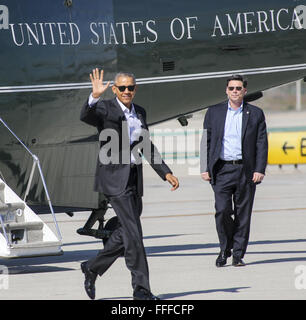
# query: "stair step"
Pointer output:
{"type": "Point", "coordinates": [5, 207]}
{"type": "Point", "coordinates": [40, 244]}
{"type": "Point", "coordinates": [31, 225]}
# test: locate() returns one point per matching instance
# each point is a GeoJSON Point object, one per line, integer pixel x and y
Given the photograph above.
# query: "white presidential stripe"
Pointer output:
{"type": "Point", "coordinates": [163, 79]}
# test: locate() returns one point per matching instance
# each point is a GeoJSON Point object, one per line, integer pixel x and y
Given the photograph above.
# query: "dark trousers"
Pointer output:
{"type": "Point", "coordinates": [127, 238]}
{"type": "Point", "coordinates": [234, 197]}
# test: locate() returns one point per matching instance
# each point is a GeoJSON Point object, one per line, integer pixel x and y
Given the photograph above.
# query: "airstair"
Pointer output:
{"type": "Point", "coordinates": [22, 232]}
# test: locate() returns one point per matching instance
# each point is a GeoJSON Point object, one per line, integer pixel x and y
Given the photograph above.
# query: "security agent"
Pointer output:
{"type": "Point", "coordinates": [122, 183]}
{"type": "Point", "coordinates": [237, 151]}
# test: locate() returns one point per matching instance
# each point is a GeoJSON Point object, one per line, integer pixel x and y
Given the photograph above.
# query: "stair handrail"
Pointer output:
{"type": "Point", "coordinates": [35, 162]}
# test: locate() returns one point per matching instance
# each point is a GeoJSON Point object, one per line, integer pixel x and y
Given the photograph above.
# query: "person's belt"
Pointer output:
{"type": "Point", "coordinates": [231, 161]}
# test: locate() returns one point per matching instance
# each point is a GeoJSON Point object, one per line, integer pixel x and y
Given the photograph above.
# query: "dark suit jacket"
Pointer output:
{"type": "Point", "coordinates": [254, 138]}
{"type": "Point", "coordinates": [112, 178]}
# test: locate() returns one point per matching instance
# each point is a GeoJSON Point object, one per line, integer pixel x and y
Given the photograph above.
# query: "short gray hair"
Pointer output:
{"type": "Point", "coordinates": [125, 74]}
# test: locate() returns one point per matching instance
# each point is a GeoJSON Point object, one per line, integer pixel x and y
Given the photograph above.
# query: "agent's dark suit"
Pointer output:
{"type": "Point", "coordinates": [232, 183]}
{"type": "Point", "coordinates": [122, 184]}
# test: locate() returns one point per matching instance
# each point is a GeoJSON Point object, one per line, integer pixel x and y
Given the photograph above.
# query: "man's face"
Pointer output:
{"type": "Point", "coordinates": [235, 91]}
{"type": "Point", "coordinates": [127, 95]}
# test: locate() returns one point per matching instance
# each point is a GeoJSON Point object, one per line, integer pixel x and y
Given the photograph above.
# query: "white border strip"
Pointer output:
{"type": "Point", "coordinates": [164, 79]}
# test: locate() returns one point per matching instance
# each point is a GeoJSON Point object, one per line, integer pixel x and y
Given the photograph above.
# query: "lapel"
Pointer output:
{"type": "Point", "coordinates": [118, 109]}
{"type": "Point", "coordinates": [119, 116]}
{"type": "Point", "coordinates": [221, 118]}
{"type": "Point", "coordinates": [245, 118]}
{"type": "Point", "coordinates": [140, 117]}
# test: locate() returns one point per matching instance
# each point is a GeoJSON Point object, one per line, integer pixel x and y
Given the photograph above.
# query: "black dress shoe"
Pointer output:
{"type": "Point", "coordinates": [143, 294]}
{"type": "Point", "coordinates": [97, 233]}
{"type": "Point", "coordinates": [238, 262]}
{"type": "Point", "coordinates": [85, 232]}
{"type": "Point", "coordinates": [90, 279]}
{"type": "Point", "coordinates": [222, 258]}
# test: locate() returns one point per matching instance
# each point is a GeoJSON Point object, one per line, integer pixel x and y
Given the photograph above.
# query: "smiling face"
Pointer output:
{"type": "Point", "coordinates": [235, 92]}
{"type": "Point", "coordinates": [127, 95]}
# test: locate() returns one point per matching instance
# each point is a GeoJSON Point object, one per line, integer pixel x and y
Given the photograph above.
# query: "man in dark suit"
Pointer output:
{"type": "Point", "coordinates": [237, 151]}
{"type": "Point", "coordinates": [123, 134]}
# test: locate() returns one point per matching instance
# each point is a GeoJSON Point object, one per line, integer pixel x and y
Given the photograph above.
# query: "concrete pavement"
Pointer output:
{"type": "Point", "coordinates": [182, 245]}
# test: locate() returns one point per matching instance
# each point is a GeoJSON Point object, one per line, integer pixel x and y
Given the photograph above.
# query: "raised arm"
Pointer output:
{"type": "Point", "coordinates": [93, 112]}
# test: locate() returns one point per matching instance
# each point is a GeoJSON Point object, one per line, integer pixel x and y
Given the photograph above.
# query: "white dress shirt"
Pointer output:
{"type": "Point", "coordinates": [231, 144]}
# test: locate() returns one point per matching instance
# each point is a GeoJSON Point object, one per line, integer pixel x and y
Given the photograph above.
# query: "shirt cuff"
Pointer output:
{"type": "Point", "coordinates": [92, 101]}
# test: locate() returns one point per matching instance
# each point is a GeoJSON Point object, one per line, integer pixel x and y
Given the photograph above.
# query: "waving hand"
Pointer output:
{"type": "Point", "coordinates": [98, 88]}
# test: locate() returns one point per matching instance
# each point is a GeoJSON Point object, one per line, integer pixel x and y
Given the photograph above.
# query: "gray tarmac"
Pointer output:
{"type": "Point", "coordinates": [182, 245]}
